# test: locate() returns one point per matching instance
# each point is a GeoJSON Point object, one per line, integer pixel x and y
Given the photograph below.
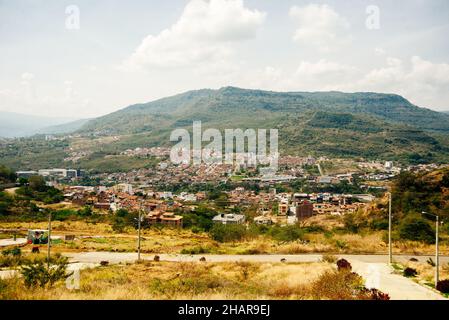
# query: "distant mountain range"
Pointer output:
{"type": "Point", "coordinates": [14, 125]}
{"type": "Point", "coordinates": [335, 124]}
{"type": "Point", "coordinates": [238, 106]}
{"type": "Point", "coordinates": [322, 123]}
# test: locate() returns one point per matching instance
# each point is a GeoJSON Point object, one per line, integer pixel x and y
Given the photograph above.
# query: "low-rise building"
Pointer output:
{"type": "Point", "coordinates": [229, 219]}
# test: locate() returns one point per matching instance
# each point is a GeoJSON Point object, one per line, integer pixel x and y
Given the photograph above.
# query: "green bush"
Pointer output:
{"type": "Point", "coordinates": [123, 219]}
{"type": "Point", "coordinates": [287, 233]}
{"type": "Point", "coordinates": [228, 233]}
{"type": "Point", "coordinates": [15, 252]}
{"type": "Point", "coordinates": [38, 274]}
{"type": "Point", "coordinates": [416, 228]}
{"type": "Point", "coordinates": [195, 250]}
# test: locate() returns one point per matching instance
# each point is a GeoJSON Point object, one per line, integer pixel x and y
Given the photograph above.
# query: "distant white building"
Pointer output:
{"type": "Point", "coordinates": [26, 174]}
{"type": "Point", "coordinates": [59, 173]}
{"type": "Point", "coordinates": [229, 219]}
{"type": "Point", "coordinates": [125, 188]}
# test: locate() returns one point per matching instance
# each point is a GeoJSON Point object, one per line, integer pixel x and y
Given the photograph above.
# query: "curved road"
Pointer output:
{"type": "Point", "coordinates": [373, 268]}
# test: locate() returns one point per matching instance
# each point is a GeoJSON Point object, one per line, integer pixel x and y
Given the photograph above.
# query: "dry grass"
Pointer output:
{"type": "Point", "coordinates": [169, 240]}
{"type": "Point", "coordinates": [228, 281]}
{"type": "Point", "coordinates": [426, 272]}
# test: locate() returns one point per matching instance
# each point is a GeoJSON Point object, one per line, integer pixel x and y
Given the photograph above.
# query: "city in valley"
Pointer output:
{"type": "Point", "coordinates": [312, 213]}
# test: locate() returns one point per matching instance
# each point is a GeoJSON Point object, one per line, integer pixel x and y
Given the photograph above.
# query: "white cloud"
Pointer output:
{"type": "Point", "coordinates": [423, 82]}
{"type": "Point", "coordinates": [322, 67]}
{"type": "Point", "coordinates": [320, 26]}
{"type": "Point", "coordinates": [380, 51]}
{"type": "Point", "coordinates": [204, 33]}
{"type": "Point", "coordinates": [27, 77]}
{"type": "Point", "coordinates": [318, 75]}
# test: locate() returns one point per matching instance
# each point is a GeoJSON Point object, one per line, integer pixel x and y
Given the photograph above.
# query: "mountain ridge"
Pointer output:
{"type": "Point", "coordinates": [205, 103]}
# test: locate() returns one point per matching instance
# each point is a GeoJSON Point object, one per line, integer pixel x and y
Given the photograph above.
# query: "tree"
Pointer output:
{"type": "Point", "coordinates": [228, 233]}
{"type": "Point", "coordinates": [7, 175]}
{"type": "Point", "coordinates": [85, 212]}
{"type": "Point", "coordinates": [445, 180]}
{"type": "Point", "coordinates": [37, 183]}
{"type": "Point", "coordinates": [416, 228]}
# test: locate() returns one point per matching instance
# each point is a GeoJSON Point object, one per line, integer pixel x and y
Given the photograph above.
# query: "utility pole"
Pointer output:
{"type": "Point", "coordinates": [437, 256]}
{"type": "Point", "coordinates": [437, 248]}
{"type": "Point", "coordinates": [138, 237]}
{"type": "Point", "coordinates": [49, 239]}
{"type": "Point", "coordinates": [390, 247]}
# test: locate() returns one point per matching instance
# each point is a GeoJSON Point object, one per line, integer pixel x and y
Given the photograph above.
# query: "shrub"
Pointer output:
{"type": "Point", "coordinates": [329, 258]}
{"type": "Point", "coordinates": [417, 229]}
{"type": "Point", "coordinates": [195, 229]}
{"type": "Point", "coordinates": [343, 264]}
{"type": "Point", "coordinates": [430, 262]}
{"type": "Point", "coordinates": [350, 223]}
{"type": "Point", "coordinates": [228, 233]}
{"type": "Point", "coordinates": [195, 250]}
{"type": "Point", "coordinates": [410, 272]}
{"type": "Point", "coordinates": [38, 274]}
{"type": "Point", "coordinates": [15, 252]}
{"type": "Point", "coordinates": [443, 286]}
{"type": "Point", "coordinates": [286, 234]}
{"type": "Point", "coordinates": [340, 244]}
{"type": "Point", "coordinates": [338, 285]}
{"type": "Point", "coordinates": [247, 269]}
{"type": "Point", "coordinates": [375, 294]}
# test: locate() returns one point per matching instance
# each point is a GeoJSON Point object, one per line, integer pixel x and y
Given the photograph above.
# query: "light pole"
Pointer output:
{"type": "Point", "coordinates": [390, 246]}
{"type": "Point", "coordinates": [49, 239]}
{"type": "Point", "coordinates": [138, 237]}
{"type": "Point", "coordinates": [437, 256]}
{"type": "Point", "coordinates": [139, 227]}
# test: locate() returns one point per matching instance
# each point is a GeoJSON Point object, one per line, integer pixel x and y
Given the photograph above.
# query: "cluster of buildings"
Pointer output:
{"type": "Point", "coordinates": [146, 152]}
{"type": "Point", "coordinates": [291, 208]}
{"type": "Point", "coordinates": [52, 173]}
{"type": "Point", "coordinates": [155, 208]}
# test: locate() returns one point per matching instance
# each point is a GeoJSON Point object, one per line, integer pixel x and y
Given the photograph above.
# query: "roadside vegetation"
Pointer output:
{"type": "Point", "coordinates": [203, 280]}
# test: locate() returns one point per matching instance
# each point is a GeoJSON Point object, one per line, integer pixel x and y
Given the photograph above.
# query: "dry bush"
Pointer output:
{"type": "Point", "coordinates": [329, 258]}
{"type": "Point", "coordinates": [247, 269]}
{"type": "Point", "coordinates": [337, 285]}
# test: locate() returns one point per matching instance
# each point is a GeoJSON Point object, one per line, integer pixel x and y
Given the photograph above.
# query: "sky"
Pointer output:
{"type": "Point", "coordinates": [86, 58]}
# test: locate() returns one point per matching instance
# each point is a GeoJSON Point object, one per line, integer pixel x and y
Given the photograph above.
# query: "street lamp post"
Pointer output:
{"type": "Point", "coordinates": [49, 240]}
{"type": "Point", "coordinates": [390, 246]}
{"type": "Point", "coordinates": [437, 255]}
{"type": "Point", "coordinates": [138, 239]}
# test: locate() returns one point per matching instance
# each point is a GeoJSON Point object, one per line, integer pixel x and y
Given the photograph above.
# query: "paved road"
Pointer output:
{"type": "Point", "coordinates": [114, 257]}
{"type": "Point", "coordinates": [373, 268]}
{"type": "Point", "coordinates": [11, 242]}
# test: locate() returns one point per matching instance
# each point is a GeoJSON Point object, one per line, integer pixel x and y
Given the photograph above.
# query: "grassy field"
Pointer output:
{"type": "Point", "coordinates": [228, 281]}
{"type": "Point", "coordinates": [100, 237]}
{"type": "Point", "coordinates": [425, 272]}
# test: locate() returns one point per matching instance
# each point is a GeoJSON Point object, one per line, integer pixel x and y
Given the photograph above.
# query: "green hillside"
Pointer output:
{"type": "Point", "coordinates": [240, 106]}
{"type": "Point", "coordinates": [324, 123]}
{"type": "Point", "coordinates": [334, 124]}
